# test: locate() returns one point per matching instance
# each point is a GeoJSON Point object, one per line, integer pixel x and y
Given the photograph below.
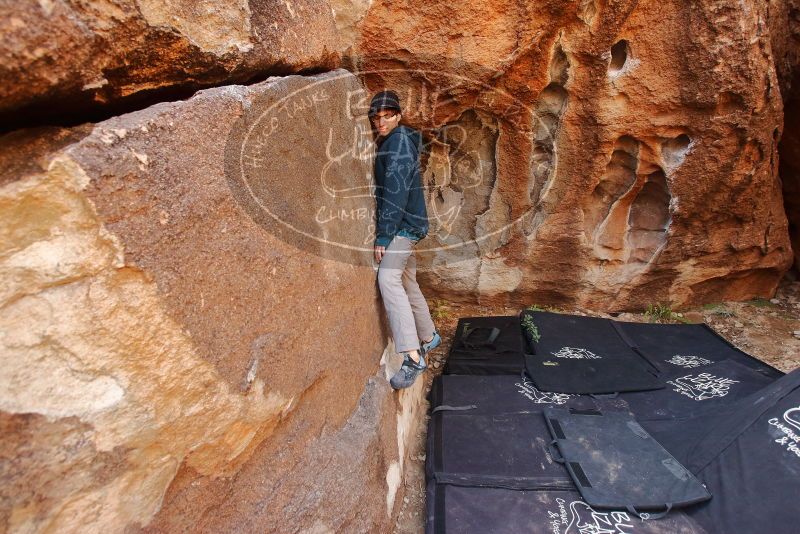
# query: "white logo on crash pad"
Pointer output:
{"type": "Point", "coordinates": [577, 517]}
{"type": "Point", "coordinates": [527, 389]}
{"type": "Point", "coordinates": [688, 362]}
{"type": "Point", "coordinates": [790, 438]}
{"type": "Point", "coordinates": [575, 354]}
{"type": "Point", "coordinates": [586, 520]}
{"type": "Point", "coordinates": [792, 416]}
{"type": "Point", "coordinates": [703, 386]}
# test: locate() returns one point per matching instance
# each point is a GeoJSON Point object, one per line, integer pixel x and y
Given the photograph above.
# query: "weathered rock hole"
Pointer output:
{"type": "Point", "coordinates": [620, 172]}
{"type": "Point", "coordinates": [559, 66]}
{"type": "Point", "coordinates": [619, 177]}
{"type": "Point", "coordinates": [552, 99]}
{"type": "Point", "coordinates": [649, 218]}
{"type": "Point", "coordinates": [551, 105]}
{"type": "Point", "coordinates": [469, 147]}
{"type": "Point", "coordinates": [728, 102]}
{"type": "Point", "coordinates": [673, 151]}
{"type": "Point", "coordinates": [619, 56]}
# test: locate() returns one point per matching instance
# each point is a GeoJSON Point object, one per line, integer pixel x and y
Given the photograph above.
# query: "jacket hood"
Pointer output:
{"type": "Point", "coordinates": [414, 135]}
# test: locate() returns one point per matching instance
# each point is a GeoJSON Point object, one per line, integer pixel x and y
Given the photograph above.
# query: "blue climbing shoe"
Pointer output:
{"type": "Point", "coordinates": [408, 372]}
{"type": "Point", "coordinates": [432, 344]}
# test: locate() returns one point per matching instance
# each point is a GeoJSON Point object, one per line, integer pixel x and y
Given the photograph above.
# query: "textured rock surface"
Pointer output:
{"type": "Point", "coordinates": [790, 170]}
{"type": "Point", "coordinates": [185, 350]}
{"type": "Point", "coordinates": [166, 362]}
{"type": "Point", "coordinates": [784, 24]}
{"type": "Point", "coordinates": [81, 55]}
{"type": "Point", "coordinates": [616, 154]}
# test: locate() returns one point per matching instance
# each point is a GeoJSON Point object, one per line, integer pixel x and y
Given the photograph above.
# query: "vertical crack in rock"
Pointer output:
{"type": "Point", "coordinates": [465, 208]}
{"type": "Point", "coordinates": [619, 177]}
{"type": "Point", "coordinates": [629, 214]}
{"type": "Point", "coordinates": [471, 146]}
{"type": "Point", "coordinates": [550, 107]}
{"type": "Point", "coordinates": [649, 218]}
{"type": "Point", "coordinates": [492, 225]}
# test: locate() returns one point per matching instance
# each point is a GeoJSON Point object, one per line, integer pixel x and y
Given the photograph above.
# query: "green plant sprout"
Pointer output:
{"type": "Point", "coordinates": [719, 309]}
{"type": "Point", "coordinates": [440, 309]}
{"type": "Point", "coordinates": [659, 313]}
{"type": "Point", "coordinates": [531, 328]}
{"type": "Point", "coordinates": [760, 302]}
{"type": "Point", "coordinates": [545, 308]}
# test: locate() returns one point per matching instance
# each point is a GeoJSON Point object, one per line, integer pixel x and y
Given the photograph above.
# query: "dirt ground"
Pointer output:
{"type": "Point", "coordinates": [768, 329]}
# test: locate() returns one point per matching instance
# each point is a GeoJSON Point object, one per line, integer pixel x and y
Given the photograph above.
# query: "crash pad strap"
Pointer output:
{"type": "Point", "coordinates": [470, 338]}
{"type": "Point", "coordinates": [611, 459]}
{"type": "Point", "coordinates": [503, 482]}
{"type": "Point", "coordinates": [447, 408]}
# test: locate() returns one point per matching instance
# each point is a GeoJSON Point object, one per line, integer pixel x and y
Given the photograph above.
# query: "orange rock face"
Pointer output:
{"type": "Point", "coordinates": [190, 329]}
{"type": "Point", "coordinates": [69, 59]}
{"type": "Point", "coordinates": [591, 154]}
{"type": "Point", "coordinates": [784, 23]}
{"type": "Point", "coordinates": [172, 362]}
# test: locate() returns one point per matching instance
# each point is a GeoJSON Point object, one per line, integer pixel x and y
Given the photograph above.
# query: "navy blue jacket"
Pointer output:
{"type": "Point", "coordinates": [399, 194]}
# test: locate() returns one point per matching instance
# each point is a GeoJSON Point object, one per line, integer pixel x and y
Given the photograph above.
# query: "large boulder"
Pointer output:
{"type": "Point", "coordinates": [63, 59]}
{"type": "Point", "coordinates": [608, 155]}
{"type": "Point", "coordinates": [170, 360]}
{"type": "Point", "coordinates": [784, 24]}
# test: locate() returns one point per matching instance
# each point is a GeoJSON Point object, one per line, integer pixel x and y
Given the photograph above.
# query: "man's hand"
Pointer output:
{"type": "Point", "coordinates": [379, 252]}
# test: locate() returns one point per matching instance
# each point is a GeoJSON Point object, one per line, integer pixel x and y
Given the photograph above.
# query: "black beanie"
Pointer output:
{"type": "Point", "coordinates": [384, 100]}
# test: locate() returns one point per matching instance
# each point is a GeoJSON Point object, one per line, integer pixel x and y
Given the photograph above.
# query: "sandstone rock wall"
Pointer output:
{"type": "Point", "coordinates": [168, 362]}
{"type": "Point", "coordinates": [67, 58]}
{"type": "Point", "coordinates": [190, 331]}
{"type": "Point", "coordinates": [784, 21]}
{"type": "Point", "coordinates": [619, 154]}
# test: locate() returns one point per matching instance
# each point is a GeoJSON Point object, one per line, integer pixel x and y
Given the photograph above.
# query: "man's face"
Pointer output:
{"type": "Point", "coordinates": [386, 120]}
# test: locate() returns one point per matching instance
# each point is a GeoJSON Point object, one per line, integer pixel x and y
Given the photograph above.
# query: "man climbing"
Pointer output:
{"type": "Point", "coordinates": [402, 220]}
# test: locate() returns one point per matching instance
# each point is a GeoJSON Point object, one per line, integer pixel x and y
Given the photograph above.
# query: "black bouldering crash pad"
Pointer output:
{"type": "Point", "coordinates": [750, 460]}
{"type": "Point", "coordinates": [616, 464]}
{"type": "Point", "coordinates": [723, 415]}
{"type": "Point", "coordinates": [689, 392]}
{"type": "Point", "coordinates": [475, 510]}
{"type": "Point", "coordinates": [687, 346]}
{"type": "Point", "coordinates": [507, 394]}
{"type": "Point", "coordinates": [486, 346]}
{"type": "Point", "coordinates": [503, 451]}
{"type": "Point", "coordinates": [585, 355]}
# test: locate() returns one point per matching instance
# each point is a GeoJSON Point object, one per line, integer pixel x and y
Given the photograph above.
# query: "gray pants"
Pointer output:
{"type": "Point", "coordinates": [408, 313]}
